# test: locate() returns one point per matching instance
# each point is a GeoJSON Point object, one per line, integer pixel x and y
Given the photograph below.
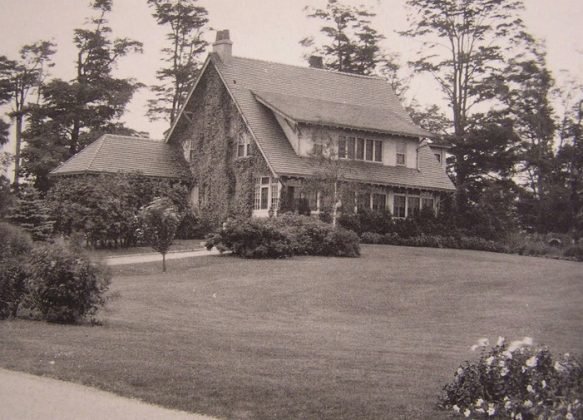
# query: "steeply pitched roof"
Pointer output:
{"type": "Point", "coordinates": [301, 92]}
{"type": "Point", "coordinates": [340, 114]}
{"type": "Point", "coordinates": [112, 154]}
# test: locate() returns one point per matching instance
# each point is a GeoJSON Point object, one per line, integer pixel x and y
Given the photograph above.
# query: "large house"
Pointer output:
{"type": "Point", "coordinates": [254, 132]}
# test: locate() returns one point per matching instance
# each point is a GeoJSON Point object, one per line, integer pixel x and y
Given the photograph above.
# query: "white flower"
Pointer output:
{"type": "Point", "coordinates": [518, 416]}
{"type": "Point", "coordinates": [531, 361]}
{"type": "Point", "coordinates": [523, 369]}
{"type": "Point", "coordinates": [456, 408]}
{"type": "Point", "coordinates": [569, 416]}
{"type": "Point", "coordinates": [501, 363]}
{"type": "Point", "coordinates": [479, 402]}
{"type": "Point", "coordinates": [527, 403]}
{"type": "Point", "coordinates": [491, 410]}
{"type": "Point", "coordinates": [559, 367]}
{"type": "Point", "coordinates": [504, 371]}
{"type": "Point", "coordinates": [480, 410]}
{"type": "Point", "coordinates": [507, 404]}
{"type": "Point", "coordinates": [526, 341]}
{"type": "Point", "coordinates": [544, 383]}
{"type": "Point", "coordinates": [507, 354]}
{"type": "Point", "coordinates": [489, 360]}
{"type": "Point", "coordinates": [500, 341]}
{"type": "Point", "coordinates": [467, 413]}
{"type": "Point", "coordinates": [460, 371]}
{"type": "Point", "coordinates": [530, 389]}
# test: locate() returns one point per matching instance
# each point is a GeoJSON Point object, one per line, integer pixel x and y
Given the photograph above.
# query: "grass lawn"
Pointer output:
{"type": "Point", "coordinates": [374, 337]}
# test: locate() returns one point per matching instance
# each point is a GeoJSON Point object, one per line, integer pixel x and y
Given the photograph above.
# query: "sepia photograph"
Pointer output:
{"type": "Point", "coordinates": [291, 209]}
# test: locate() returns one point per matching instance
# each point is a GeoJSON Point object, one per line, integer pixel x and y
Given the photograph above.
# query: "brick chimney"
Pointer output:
{"type": "Point", "coordinates": [316, 62]}
{"type": "Point", "coordinates": [223, 46]}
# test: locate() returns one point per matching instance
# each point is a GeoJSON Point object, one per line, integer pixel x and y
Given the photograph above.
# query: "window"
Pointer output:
{"type": "Point", "coordinates": [369, 150]}
{"type": "Point", "coordinates": [399, 206]}
{"type": "Point", "coordinates": [342, 147]}
{"type": "Point", "coordinates": [360, 149]}
{"type": "Point", "coordinates": [412, 206]}
{"type": "Point", "coordinates": [401, 153]}
{"type": "Point", "coordinates": [262, 193]}
{"type": "Point", "coordinates": [363, 201]}
{"type": "Point", "coordinates": [427, 203]}
{"type": "Point", "coordinates": [379, 201]}
{"type": "Point", "coordinates": [318, 150]}
{"type": "Point", "coordinates": [274, 193]}
{"type": "Point", "coordinates": [438, 157]}
{"type": "Point", "coordinates": [243, 146]}
{"type": "Point", "coordinates": [378, 151]}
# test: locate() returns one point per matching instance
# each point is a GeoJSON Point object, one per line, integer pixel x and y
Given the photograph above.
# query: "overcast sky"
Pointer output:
{"type": "Point", "coordinates": [264, 29]}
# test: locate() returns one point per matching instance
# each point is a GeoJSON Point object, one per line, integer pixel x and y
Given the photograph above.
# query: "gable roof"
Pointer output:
{"type": "Point", "coordinates": [113, 154]}
{"type": "Point", "coordinates": [316, 96]}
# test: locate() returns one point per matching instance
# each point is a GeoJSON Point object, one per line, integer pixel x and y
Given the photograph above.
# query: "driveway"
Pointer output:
{"type": "Point", "coordinates": [24, 396]}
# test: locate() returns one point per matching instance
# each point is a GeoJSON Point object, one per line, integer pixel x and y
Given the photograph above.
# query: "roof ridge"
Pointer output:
{"type": "Point", "coordinates": [341, 73]}
{"type": "Point", "coordinates": [104, 137]}
{"type": "Point", "coordinates": [134, 138]}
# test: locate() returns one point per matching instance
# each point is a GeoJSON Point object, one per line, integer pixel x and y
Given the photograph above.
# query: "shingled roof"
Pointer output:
{"type": "Point", "coordinates": [321, 97]}
{"type": "Point", "coordinates": [113, 154]}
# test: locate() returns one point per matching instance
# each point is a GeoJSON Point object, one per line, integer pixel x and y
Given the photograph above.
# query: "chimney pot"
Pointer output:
{"type": "Point", "coordinates": [223, 46]}
{"type": "Point", "coordinates": [316, 62]}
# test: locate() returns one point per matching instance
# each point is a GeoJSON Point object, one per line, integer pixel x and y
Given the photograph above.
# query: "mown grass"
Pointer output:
{"type": "Point", "coordinates": [373, 337]}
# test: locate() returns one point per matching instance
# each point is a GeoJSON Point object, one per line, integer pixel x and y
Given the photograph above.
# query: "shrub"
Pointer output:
{"type": "Point", "coordinates": [32, 213]}
{"type": "Point", "coordinates": [371, 238]}
{"type": "Point", "coordinates": [574, 251]}
{"type": "Point", "coordinates": [63, 285]}
{"type": "Point", "coordinates": [284, 236]}
{"type": "Point", "coordinates": [14, 248]}
{"type": "Point", "coordinates": [517, 381]}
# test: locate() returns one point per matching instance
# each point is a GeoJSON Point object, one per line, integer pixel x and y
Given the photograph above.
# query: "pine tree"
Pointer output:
{"type": "Point", "coordinates": [187, 22]}
{"type": "Point", "coordinates": [32, 214]}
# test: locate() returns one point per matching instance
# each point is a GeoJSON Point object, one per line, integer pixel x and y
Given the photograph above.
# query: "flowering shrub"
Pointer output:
{"type": "Point", "coordinates": [516, 381]}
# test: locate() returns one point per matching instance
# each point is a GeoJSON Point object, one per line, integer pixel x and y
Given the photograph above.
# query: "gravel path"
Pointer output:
{"type": "Point", "coordinates": [150, 257]}
{"type": "Point", "coordinates": [24, 396]}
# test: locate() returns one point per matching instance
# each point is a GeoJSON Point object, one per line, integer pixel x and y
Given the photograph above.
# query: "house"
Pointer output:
{"type": "Point", "coordinates": [250, 130]}
{"type": "Point", "coordinates": [253, 133]}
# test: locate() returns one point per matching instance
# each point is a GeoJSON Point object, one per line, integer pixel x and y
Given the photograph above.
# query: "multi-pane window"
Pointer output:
{"type": "Point", "coordinates": [399, 204]}
{"type": "Point", "coordinates": [360, 149]}
{"type": "Point", "coordinates": [243, 146]}
{"type": "Point", "coordinates": [266, 193]}
{"type": "Point", "coordinates": [379, 201]}
{"type": "Point", "coordinates": [401, 153]}
{"type": "Point", "coordinates": [274, 193]}
{"type": "Point", "coordinates": [413, 204]}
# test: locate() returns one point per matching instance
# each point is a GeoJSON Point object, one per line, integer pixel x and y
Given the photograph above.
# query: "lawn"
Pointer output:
{"type": "Point", "coordinates": [374, 337]}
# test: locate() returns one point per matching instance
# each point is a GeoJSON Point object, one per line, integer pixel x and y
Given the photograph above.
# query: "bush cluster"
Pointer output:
{"type": "Point", "coordinates": [517, 381]}
{"type": "Point", "coordinates": [15, 245]}
{"type": "Point", "coordinates": [434, 241]}
{"type": "Point", "coordinates": [55, 283]}
{"type": "Point", "coordinates": [574, 251]}
{"type": "Point", "coordinates": [283, 237]}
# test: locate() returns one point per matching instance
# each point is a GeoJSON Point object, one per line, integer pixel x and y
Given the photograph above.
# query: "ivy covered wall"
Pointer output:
{"type": "Point", "coordinates": [224, 183]}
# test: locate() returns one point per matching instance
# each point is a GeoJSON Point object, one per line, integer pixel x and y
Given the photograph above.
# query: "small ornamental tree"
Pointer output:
{"type": "Point", "coordinates": [33, 215]}
{"type": "Point", "coordinates": [160, 219]}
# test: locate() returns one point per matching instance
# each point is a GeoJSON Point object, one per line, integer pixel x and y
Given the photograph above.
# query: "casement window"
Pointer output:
{"type": "Point", "coordinates": [427, 203]}
{"type": "Point", "coordinates": [360, 149]}
{"type": "Point", "coordinates": [399, 205]}
{"type": "Point", "coordinates": [243, 146]}
{"type": "Point", "coordinates": [413, 206]}
{"type": "Point", "coordinates": [401, 153]}
{"type": "Point", "coordinates": [266, 193]}
{"type": "Point", "coordinates": [379, 201]}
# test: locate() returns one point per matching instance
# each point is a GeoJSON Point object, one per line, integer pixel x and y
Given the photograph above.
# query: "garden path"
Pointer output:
{"type": "Point", "coordinates": [154, 256]}
{"type": "Point", "coordinates": [24, 396]}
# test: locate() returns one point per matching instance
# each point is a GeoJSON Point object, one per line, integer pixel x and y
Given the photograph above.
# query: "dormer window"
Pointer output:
{"type": "Point", "coordinates": [360, 149]}
{"type": "Point", "coordinates": [401, 153]}
{"type": "Point", "coordinates": [243, 146]}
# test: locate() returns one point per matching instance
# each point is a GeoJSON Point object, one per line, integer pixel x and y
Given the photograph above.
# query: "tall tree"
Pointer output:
{"type": "Point", "coordinates": [350, 43]}
{"type": "Point", "coordinates": [25, 75]}
{"type": "Point", "coordinates": [72, 113]}
{"type": "Point", "coordinates": [187, 22]}
{"type": "Point", "coordinates": [463, 44]}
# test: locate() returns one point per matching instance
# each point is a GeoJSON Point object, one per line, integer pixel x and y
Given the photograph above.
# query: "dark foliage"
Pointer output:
{"type": "Point", "coordinates": [14, 248]}
{"type": "Point", "coordinates": [32, 213]}
{"type": "Point", "coordinates": [64, 286]}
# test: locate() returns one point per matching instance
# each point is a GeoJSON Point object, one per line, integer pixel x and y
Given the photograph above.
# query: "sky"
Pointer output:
{"type": "Point", "coordinates": [263, 29]}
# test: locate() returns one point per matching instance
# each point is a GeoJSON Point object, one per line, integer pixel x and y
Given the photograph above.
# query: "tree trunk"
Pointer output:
{"type": "Point", "coordinates": [17, 151]}
{"type": "Point", "coordinates": [163, 262]}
